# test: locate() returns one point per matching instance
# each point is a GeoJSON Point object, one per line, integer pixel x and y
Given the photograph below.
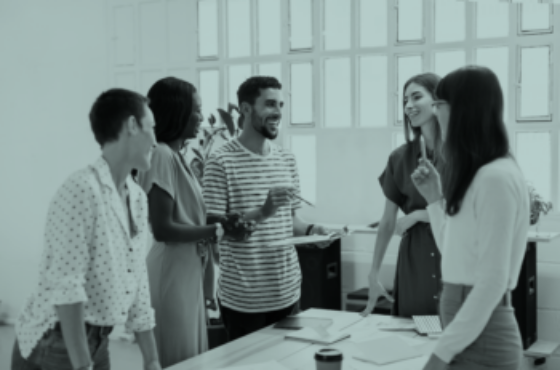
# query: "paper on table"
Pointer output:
{"type": "Point", "coordinates": [308, 239]}
{"type": "Point", "coordinates": [269, 365]}
{"type": "Point", "coordinates": [316, 335]}
{"type": "Point", "coordinates": [386, 350]}
{"type": "Point", "coordinates": [396, 323]}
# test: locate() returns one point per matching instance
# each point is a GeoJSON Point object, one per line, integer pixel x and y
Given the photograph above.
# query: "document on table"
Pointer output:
{"type": "Point", "coordinates": [387, 350]}
{"type": "Point", "coordinates": [269, 365]}
{"type": "Point", "coordinates": [308, 239]}
{"type": "Point", "coordinates": [396, 323]}
{"type": "Point", "coordinates": [317, 335]}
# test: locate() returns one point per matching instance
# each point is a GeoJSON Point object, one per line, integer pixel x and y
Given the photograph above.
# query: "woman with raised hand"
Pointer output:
{"type": "Point", "coordinates": [177, 213]}
{"type": "Point", "coordinates": [417, 279]}
{"type": "Point", "coordinates": [479, 214]}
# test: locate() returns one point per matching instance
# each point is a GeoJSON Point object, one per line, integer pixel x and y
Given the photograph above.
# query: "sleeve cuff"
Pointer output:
{"type": "Point", "coordinates": [69, 296]}
{"type": "Point", "coordinates": [143, 323]}
{"type": "Point", "coordinates": [443, 355]}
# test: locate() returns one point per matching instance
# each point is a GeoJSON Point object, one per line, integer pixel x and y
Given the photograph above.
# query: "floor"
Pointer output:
{"type": "Point", "coordinates": [124, 355]}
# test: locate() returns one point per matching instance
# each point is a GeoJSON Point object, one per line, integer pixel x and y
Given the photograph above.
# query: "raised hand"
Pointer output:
{"type": "Point", "coordinates": [427, 180]}
{"type": "Point", "coordinates": [277, 197]}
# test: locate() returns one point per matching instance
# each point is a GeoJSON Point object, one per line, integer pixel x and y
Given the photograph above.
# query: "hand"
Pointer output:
{"type": "Point", "coordinates": [237, 229]}
{"type": "Point", "coordinates": [404, 223]}
{"type": "Point", "coordinates": [320, 230]}
{"type": "Point", "coordinates": [435, 363]}
{"type": "Point", "coordinates": [427, 180]}
{"type": "Point", "coordinates": [375, 290]}
{"type": "Point", "coordinates": [277, 197]}
{"type": "Point", "coordinates": [154, 365]}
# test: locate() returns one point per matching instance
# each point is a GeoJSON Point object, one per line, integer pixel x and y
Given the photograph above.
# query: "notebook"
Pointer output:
{"type": "Point", "coordinates": [386, 350]}
{"type": "Point", "coordinates": [427, 324]}
{"type": "Point", "coordinates": [312, 335]}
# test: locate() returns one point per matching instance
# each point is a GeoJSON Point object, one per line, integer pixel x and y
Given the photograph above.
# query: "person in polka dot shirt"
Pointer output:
{"type": "Point", "coordinates": [93, 274]}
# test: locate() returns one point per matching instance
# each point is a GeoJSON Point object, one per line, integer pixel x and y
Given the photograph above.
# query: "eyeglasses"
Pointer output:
{"type": "Point", "coordinates": [437, 103]}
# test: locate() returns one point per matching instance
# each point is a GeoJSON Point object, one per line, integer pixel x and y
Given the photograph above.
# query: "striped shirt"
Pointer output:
{"type": "Point", "coordinates": [254, 277]}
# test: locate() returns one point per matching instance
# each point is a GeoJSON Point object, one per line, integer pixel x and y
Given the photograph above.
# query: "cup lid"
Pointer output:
{"type": "Point", "coordinates": [328, 355]}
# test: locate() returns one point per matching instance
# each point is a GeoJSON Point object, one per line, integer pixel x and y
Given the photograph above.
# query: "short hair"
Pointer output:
{"type": "Point", "coordinates": [171, 102]}
{"type": "Point", "coordinates": [111, 109]}
{"type": "Point", "coordinates": [250, 90]}
{"type": "Point", "coordinates": [476, 133]}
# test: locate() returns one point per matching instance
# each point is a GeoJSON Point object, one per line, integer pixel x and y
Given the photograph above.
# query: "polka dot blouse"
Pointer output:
{"type": "Point", "coordinates": [91, 255]}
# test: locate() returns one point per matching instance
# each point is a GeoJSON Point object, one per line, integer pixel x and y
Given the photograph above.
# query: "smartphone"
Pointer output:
{"type": "Point", "coordinates": [423, 148]}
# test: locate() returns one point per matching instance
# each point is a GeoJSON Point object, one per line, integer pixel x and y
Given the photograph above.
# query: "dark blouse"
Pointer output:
{"type": "Point", "coordinates": [395, 179]}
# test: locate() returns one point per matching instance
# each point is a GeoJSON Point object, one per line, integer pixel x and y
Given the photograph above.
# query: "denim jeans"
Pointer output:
{"type": "Point", "coordinates": [50, 353]}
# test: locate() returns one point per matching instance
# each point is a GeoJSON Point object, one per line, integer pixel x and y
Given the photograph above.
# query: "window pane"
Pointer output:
{"type": "Point", "coordinates": [450, 21]}
{"type": "Point", "coordinates": [448, 61]}
{"type": "Point", "coordinates": [409, 18]}
{"type": "Point", "coordinates": [492, 19]}
{"type": "Point", "coordinates": [271, 69]}
{"type": "Point", "coordinates": [126, 80]}
{"type": "Point", "coordinates": [373, 91]}
{"type": "Point", "coordinates": [269, 26]}
{"type": "Point", "coordinates": [207, 28]}
{"type": "Point", "coordinates": [152, 50]}
{"type": "Point", "coordinates": [406, 68]}
{"type": "Point", "coordinates": [239, 28]}
{"type": "Point", "coordinates": [302, 93]}
{"type": "Point", "coordinates": [534, 158]}
{"type": "Point", "coordinates": [497, 59]}
{"type": "Point", "coordinates": [337, 24]}
{"type": "Point", "coordinates": [300, 25]}
{"type": "Point", "coordinates": [398, 139]}
{"type": "Point", "coordinates": [124, 35]}
{"type": "Point", "coordinates": [535, 17]}
{"type": "Point", "coordinates": [209, 90]}
{"type": "Point", "coordinates": [534, 81]}
{"type": "Point", "coordinates": [338, 94]}
{"type": "Point", "coordinates": [373, 23]}
{"type": "Point", "coordinates": [304, 149]}
{"type": "Point", "coordinates": [237, 75]}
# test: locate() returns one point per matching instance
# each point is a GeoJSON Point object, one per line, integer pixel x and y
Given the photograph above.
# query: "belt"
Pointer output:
{"type": "Point", "coordinates": [102, 330]}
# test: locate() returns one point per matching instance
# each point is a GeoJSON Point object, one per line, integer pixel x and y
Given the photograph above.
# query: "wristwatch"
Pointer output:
{"type": "Point", "coordinates": [219, 232]}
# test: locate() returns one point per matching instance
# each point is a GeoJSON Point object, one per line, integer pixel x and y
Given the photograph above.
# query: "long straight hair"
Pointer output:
{"type": "Point", "coordinates": [171, 102]}
{"type": "Point", "coordinates": [476, 133]}
{"type": "Point", "coordinates": [429, 81]}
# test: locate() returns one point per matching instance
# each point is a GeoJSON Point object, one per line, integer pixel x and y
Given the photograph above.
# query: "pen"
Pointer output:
{"type": "Point", "coordinates": [303, 200]}
{"type": "Point", "coordinates": [423, 148]}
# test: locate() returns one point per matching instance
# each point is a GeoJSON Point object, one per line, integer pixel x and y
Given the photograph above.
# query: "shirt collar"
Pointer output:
{"type": "Point", "coordinates": [101, 167]}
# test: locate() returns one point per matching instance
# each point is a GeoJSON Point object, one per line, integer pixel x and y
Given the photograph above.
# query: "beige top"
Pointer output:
{"type": "Point", "coordinates": [482, 246]}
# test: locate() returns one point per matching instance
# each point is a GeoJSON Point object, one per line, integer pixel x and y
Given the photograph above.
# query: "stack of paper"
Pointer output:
{"type": "Point", "coordinates": [396, 323]}
{"type": "Point", "coordinates": [308, 239]}
{"type": "Point", "coordinates": [541, 348]}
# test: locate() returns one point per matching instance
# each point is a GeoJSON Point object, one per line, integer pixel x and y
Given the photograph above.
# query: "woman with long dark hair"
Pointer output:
{"type": "Point", "coordinates": [479, 214]}
{"type": "Point", "coordinates": [417, 278]}
{"type": "Point", "coordinates": [177, 215]}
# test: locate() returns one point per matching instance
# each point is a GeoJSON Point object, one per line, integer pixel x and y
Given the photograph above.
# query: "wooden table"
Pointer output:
{"type": "Point", "coordinates": [269, 344]}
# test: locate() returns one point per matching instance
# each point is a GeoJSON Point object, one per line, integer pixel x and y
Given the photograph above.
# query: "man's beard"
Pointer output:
{"type": "Point", "coordinates": [263, 129]}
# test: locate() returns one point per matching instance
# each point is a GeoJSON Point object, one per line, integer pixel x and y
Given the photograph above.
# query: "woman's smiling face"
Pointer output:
{"type": "Point", "coordinates": [418, 104]}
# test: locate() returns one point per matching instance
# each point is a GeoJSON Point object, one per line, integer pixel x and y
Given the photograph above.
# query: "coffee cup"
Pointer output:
{"type": "Point", "coordinates": [328, 359]}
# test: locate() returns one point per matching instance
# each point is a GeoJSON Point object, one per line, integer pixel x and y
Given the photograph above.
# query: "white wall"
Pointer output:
{"type": "Point", "coordinates": [53, 64]}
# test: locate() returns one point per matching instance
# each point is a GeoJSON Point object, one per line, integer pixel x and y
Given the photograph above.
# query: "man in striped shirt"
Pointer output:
{"type": "Point", "coordinates": [258, 284]}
